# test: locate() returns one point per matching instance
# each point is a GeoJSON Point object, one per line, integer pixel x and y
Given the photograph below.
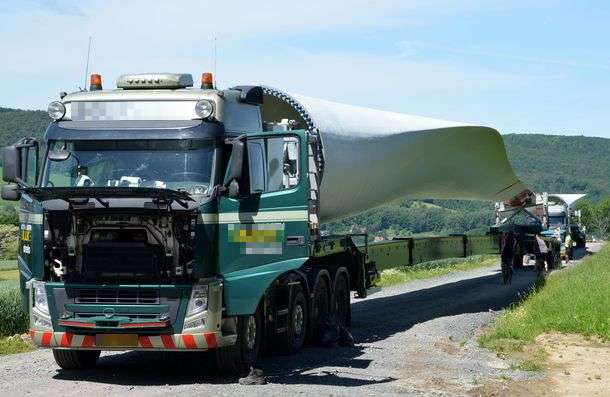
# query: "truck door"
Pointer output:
{"type": "Point", "coordinates": [269, 224]}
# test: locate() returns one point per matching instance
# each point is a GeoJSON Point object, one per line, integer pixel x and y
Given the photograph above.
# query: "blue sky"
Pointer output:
{"type": "Point", "coordinates": [518, 66]}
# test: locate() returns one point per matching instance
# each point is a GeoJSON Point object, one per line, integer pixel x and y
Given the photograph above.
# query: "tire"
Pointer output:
{"type": "Point", "coordinates": [320, 308]}
{"type": "Point", "coordinates": [341, 301]}
{"type": "Point", "coordinates": [76, 359]}
{"type": "Point", "coordinates": [238, 358]}
{"type": "Point", "coordinates": [291, 341]}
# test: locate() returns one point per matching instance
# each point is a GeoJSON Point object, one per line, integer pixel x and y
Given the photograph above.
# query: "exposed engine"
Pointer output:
{"type": "Point", "coordinates": [114, 247]}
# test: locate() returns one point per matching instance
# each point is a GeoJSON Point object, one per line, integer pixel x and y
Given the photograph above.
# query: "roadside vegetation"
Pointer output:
{"type": "Point", "coordinates": [435, 268]}
{"type": "Point", "coordinates": [13, 320]}
{"type": "Point", "coordinates": [573, 301]}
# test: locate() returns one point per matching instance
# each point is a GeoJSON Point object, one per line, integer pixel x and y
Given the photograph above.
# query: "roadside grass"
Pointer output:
{"type": "Point", "coordinates": [7, 264]}
{"type": "Point", "coordinates": [575, 300]}
{"type": "Point", "coordinates": [434, 269]}
{"type": "Point", "coordinates": [14, 344]}
{"type": "Point", "coordinates": [9, 274]}
{"type": "Point", "coordinates": [13, 320]}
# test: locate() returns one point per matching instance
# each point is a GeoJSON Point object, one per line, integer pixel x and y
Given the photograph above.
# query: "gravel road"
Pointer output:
{"type": "Point", "coordinates": [415, 339]}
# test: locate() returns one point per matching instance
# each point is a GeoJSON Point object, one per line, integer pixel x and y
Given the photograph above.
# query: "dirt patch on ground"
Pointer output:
{"type": "Point", "coordinates": [574, 366]}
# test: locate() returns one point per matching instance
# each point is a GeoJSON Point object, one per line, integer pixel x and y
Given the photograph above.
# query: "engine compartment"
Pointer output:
{"type": "Point", "coordinates": [114, 246]}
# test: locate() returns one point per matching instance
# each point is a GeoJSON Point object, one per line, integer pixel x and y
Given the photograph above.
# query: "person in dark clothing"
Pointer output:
{"type": "Point", "coordinates": [507, 255]}
{"type": "Point", "coordinates": [542, 253]}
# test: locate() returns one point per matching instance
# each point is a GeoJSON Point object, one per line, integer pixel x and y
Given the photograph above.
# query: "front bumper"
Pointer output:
{"type": "Point", "coordinates": [88, 325]}
{"type": "Point", "coordinates": [187, 342]}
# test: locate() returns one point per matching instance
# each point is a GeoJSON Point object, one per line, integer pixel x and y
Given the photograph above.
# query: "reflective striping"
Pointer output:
{"type": "Point", "coordinates": [88, 341]}
{"type": "Point", "coordinates": [189, 341]}
{"type": "Point", "coordinates": [210, 340]}
{"type": "Point", "coordinates": [156, 341]}
{"type": "Point", "coordinates": [144, 341]}
{"type": "Point", "coordinates": [66, 339]}
{"type": "Point", "coordinates": [168, 341]}
{"type": "Point", "coordinates": [255, 217]}
{"type": "Point", "coordinates": [203, 341]}
{"type": "Point", "coordinates": [78, 340]}
{"type": "Point", "coordinates": [200, 340]}
{"type": "Point", "coordinates": [46, 339]}
{"type": "Point", "coordinates": [24, 269]}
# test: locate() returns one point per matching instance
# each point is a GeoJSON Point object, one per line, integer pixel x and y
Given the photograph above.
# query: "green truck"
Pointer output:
{"type": "Point", "coordinates": [157, 216]}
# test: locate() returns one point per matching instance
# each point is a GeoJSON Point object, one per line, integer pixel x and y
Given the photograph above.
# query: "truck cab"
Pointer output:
{"type": "Point", "coordinates": [158, 216]}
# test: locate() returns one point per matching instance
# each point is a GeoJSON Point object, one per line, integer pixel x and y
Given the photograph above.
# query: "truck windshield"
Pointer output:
{"type": "Point", "coordinates": [168, 164]}
{"type": "Point", "coordinates": [556, 220]}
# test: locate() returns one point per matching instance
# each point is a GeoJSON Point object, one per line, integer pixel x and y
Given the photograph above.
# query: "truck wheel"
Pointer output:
{"type": "Point", "coordinates": [76, 359]}
{"type": "Point", "coordinates": [238, 358]}
{"type": "Point", "coordinates": [292, 340]}
{"type": "Point", "coordinates": [320, 309]}
{"type": "Point", "coordinates": [341, 302]}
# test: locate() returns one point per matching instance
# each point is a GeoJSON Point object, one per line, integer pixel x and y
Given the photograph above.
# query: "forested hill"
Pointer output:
{"type": "Point", "coordinates": [561, 164]}
{"type": "Point", "coordinates": [552, 163]}
{"type": "Point", "coordinates": [16, 123]}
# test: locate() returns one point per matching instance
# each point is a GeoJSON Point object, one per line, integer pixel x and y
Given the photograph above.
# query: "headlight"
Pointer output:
{"type": "Point", "coordinates": [40, 297]}
{"type": "Point", "coordinates": [56, 110]}
{"type": "Point", "coordinates": [199, 300]}
{"type": "Point", "coordinates": [204, 108]}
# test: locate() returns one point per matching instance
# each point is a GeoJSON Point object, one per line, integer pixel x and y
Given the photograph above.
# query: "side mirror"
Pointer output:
{"type": "Point", "coordinates": [11, 192]}
{"type": "Point", "coordinates": [237, 159]}
{"type": "Point", "coordinates": [11, 164]}
{"type": "Point", "coordinates": [238, 164]}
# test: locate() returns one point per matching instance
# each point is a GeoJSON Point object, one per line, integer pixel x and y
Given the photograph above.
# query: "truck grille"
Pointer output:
{"type": "Point", "coordinates": [132, 316]}
{"type": "Point", "coordinates": [117, 296]}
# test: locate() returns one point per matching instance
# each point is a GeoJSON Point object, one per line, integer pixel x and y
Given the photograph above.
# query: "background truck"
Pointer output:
{"type": "Point", "coordinates": [157, 216]}
{"type": "Point", "coordinates": [563, 218]}
{"type": "Point", "coordinates": [536, 216]}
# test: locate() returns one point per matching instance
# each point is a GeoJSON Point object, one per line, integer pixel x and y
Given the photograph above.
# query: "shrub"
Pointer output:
{"type": "Point", "coordinates": [13, 320]}
{"type": "Point", "coordinates": [9, 215]}
{"type": "Point", "coordinates": [9, 235]}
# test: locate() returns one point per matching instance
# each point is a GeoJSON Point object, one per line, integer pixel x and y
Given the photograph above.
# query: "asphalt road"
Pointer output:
{"type": "Point", "coordinates": [416, 338]}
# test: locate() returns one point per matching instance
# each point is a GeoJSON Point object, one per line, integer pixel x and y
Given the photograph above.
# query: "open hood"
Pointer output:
{"type": "Point", "coordinates": [68, 193]}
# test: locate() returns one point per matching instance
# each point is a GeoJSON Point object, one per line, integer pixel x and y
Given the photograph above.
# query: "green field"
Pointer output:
{"type": "Point", "coordinates": [576, 300]}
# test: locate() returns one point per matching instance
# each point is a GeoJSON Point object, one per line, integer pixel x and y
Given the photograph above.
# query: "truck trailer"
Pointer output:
{"type": "Point", "coordinates": [159, 216]}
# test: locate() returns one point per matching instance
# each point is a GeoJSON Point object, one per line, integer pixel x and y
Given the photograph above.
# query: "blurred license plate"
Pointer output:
{"type": "Point", "coordinates": [116, 340]}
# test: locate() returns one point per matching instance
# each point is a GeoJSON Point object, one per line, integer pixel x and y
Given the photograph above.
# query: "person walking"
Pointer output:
{"type": "Point", "coordinates": [542, 252]}
{"type": "Point", "coordinates": [507, 255]}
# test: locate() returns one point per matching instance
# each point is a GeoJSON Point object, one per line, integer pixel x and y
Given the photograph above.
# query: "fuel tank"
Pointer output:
{"type": "Point", "coordinates": [372, 157]}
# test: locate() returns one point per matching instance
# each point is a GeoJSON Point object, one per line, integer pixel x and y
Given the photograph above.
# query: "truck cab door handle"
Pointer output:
{"type": "Point", "coordinates": [295, 240]}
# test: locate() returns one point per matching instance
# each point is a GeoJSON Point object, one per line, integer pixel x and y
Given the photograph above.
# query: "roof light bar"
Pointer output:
{"type": "Point", "coordinates": [154, 80]}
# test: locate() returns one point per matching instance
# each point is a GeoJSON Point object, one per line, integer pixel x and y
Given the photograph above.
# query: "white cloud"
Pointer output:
{"type": "Point", "coordinates": [44, 47]}
{"type": "Point", "coordinates": [44, 42]}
